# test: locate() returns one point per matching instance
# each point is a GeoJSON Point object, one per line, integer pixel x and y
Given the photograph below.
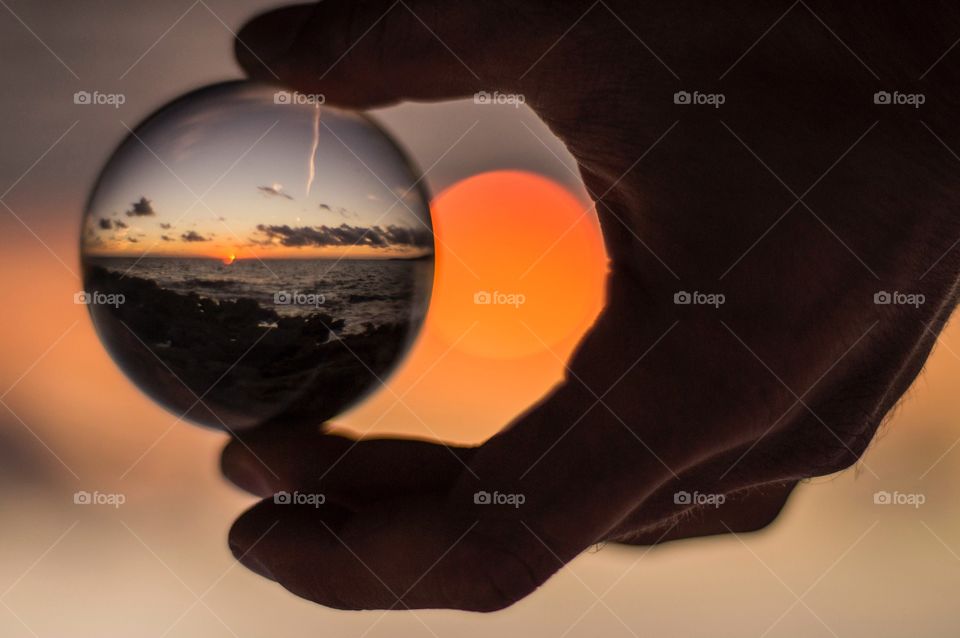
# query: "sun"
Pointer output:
{"type": "Point", "coordinates": [229, 259]}
{"type": "Point", "coordinates": [520, 271]}
{"type": "Point", "coordinates": [520, 267]}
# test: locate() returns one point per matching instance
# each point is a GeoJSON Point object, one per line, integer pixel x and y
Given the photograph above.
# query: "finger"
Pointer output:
{"type": "Point", "coordinates": [401, 555]}
{"type": "Point", "coordinates": [345, 469]}
{"type": "Point", "coordinates": [498, 532]}
{"type": "Point", "coordinates": [364, 54]}
{"type": "Point", "coordinates": [737, 513]}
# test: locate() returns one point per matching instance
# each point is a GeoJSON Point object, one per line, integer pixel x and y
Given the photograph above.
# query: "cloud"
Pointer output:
{"type": "Point", "coordinates": [398, 235]}
{"type": "Point", "coordinates": [166, 238]}
{"type": "Point", "coordinates": [347, 235]}
{"type": "Point", "coordinates": [340, 210]}
{"type": "Point", "coordinates": [166, 226]}
{"type": "Point", "coordinates": [133, 240]}
{"type": "Point", "coordinates": [276, 190]}
{"type": "Point", "coordinates": [192, 235]}
{"type": "Point", "coordinates": [407, 195]}
{"type": "Point", "coordinates": [108, 224]}
{"type": "Point", "coordinates": [143, 208]}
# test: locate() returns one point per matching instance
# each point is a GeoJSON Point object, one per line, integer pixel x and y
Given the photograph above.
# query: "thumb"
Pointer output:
{"type": "Point", "coordinates": [366, 54]}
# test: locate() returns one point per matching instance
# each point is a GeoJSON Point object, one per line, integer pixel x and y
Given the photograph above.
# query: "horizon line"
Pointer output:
{"type": "Point", "coordinates": [263, 258]}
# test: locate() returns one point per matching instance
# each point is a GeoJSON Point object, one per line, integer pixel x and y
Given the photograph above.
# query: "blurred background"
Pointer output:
{"type": "Point", "coordinates": [510, 215]}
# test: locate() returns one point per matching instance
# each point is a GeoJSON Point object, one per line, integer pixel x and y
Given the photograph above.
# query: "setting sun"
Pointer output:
{"type": "Point", "coordinates": [501, 237]}
{"type": "Point", "coordinates": [519, 259]}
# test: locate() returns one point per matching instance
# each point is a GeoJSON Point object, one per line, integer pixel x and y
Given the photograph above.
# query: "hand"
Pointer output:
{"type": "Point", "coordinates": [798, 200]}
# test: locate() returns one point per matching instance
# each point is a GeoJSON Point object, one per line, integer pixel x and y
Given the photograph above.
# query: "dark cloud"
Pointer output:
{"type": "Point", "coordinates": [400, 236]}
{"type": "Point", "coordinates": [166, 226]}
{"type": "Point", "coordinates": [273, 191]}
{"type": "Point", "coordinates": [133, 240]}
{"type": "Point", "coordinates": [347, 235]}
{"type": "Point", "coordinates": [166, 238]}
{"type": "Point", "coordinates": [192, 235]}
{"type": "Point", "coordinates": [143, 208]}
{"type": "Point", "coordinates": [107, 224]}
{"type": "Point", "coordinates": [325, 206]}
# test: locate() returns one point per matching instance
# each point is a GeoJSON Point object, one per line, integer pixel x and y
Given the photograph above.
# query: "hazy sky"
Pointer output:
{"type": "Point", "coordinates": [151, 58]}
{"type": "Point", "coordinates": [229, 172]}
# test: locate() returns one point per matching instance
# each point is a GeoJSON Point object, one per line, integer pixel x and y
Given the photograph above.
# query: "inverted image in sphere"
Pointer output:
{"type": "Point", "coordinates": [252, 257]}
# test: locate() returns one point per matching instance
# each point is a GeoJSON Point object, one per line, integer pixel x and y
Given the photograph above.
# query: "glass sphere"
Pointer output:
{"type": "Point", "coordinates": [252, 257]}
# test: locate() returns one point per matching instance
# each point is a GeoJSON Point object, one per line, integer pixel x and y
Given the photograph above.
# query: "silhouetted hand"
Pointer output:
{"type": "Point", "coordinates": [798, 200]}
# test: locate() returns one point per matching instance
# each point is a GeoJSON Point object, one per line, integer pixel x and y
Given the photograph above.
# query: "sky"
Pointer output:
{"type": "Point", "coordinates": [836, 563]}
{"type": "Point", "coordinates": [230, 173]}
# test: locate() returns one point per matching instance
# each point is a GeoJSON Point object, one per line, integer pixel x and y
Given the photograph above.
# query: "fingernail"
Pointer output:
{"type": "Point", "coordinates": [243, 539]}
{"type": "Point", "coordinates": [250, 561]}
{"type": "Point", "coordinates": [246, 470]}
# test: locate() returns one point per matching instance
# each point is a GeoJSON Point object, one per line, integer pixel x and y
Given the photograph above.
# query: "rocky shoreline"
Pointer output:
{"type": "Point", "coordinates": [236, 363]}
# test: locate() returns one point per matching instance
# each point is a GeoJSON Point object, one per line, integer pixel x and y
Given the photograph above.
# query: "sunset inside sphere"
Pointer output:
{"type": "Point", "coordinates": [252, 257]}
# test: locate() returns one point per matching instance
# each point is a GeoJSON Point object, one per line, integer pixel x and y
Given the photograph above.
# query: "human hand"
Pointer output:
{"type": "Point", "coordinates": [794, 201]}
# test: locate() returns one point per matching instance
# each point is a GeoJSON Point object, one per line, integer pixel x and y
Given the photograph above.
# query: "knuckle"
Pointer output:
{"type": "Point", "coordinates": [500, 579]}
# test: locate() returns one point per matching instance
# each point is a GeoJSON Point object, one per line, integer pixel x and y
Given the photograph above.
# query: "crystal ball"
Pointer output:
{"type": "Point", "coordinates": [252, 257]}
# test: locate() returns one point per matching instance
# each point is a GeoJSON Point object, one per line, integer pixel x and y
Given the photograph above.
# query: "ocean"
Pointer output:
{"type": "Point", "coordinates": [359, 292]}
